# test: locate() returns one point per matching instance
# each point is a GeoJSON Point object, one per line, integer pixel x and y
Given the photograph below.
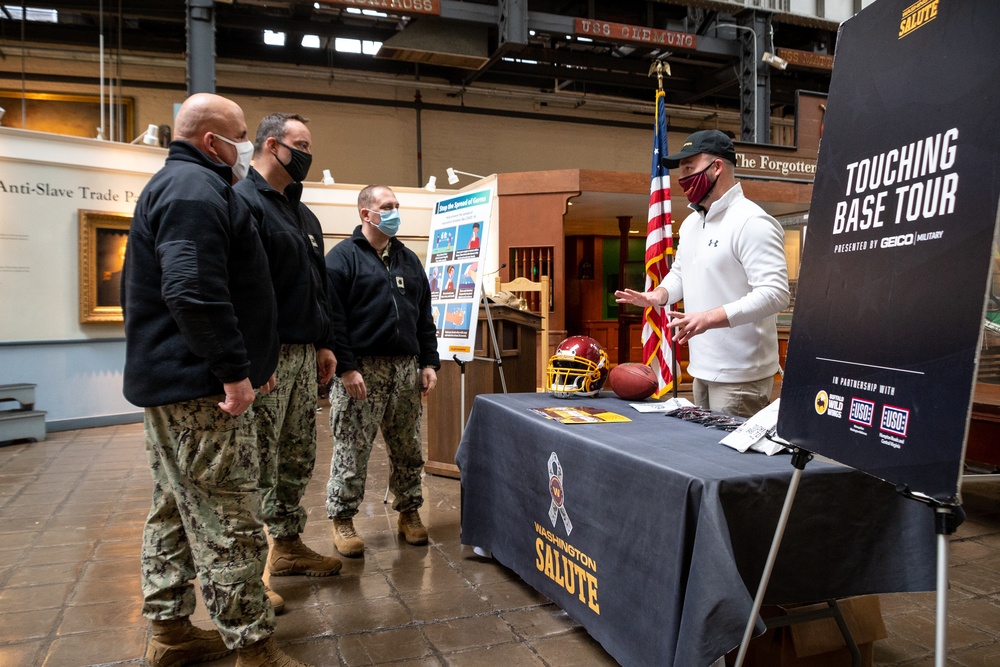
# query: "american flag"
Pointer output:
{"type": "Point", "coordinates": [656, 343]}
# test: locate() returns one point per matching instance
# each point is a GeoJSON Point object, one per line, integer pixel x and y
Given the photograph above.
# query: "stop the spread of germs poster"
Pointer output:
{"type": "Point", "coordinates": [455, 255]}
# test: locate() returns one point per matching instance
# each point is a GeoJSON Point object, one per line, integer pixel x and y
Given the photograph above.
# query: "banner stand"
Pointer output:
{"type": "Point", "coordinates": [800, 458]}
{"type": "Point", "coordinates": [945, 523]}
{"type": "Point", "coordinates": [897, 406]}
{"type": "Point", "coordinates": [946, 520]}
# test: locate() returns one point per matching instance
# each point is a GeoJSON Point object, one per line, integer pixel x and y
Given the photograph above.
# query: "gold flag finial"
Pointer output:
{"type": "Point", "coordinates": [660, 65]}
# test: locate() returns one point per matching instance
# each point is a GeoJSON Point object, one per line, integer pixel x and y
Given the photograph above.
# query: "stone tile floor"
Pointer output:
{"type": "Point", "coordinates": [71, 515]}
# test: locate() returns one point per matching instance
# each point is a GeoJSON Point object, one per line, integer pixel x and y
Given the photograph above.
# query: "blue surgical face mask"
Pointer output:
{"type": "Point", "coordinates": [389, 224]}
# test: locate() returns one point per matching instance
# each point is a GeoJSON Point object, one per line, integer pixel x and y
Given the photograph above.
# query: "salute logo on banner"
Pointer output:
{"type": "Point", "coordinates": [558, 493]}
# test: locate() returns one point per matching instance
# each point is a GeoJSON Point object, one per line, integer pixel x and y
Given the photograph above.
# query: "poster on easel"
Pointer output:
{"type": "Point", "coordinates": [461, 226]}
{"type": "Point", "coordinates": [889, 311]}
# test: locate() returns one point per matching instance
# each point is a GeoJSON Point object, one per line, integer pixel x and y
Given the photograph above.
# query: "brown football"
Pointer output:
{"type": "Point", "coordinates": [633, 382]}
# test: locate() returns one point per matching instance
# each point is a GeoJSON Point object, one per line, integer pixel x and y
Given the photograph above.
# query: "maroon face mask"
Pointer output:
{"type": "Point", "coordinates": [697, 186]}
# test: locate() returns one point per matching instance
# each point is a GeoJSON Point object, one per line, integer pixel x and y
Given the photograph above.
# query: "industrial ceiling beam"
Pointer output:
{"type": "Point", "coordinates": [200, 46]}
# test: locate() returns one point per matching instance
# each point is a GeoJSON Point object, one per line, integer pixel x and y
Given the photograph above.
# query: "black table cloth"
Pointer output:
{"type": "Point", "coordinates": [653, 536]}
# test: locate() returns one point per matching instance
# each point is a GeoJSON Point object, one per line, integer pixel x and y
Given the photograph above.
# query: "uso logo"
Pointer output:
{"type": "Point", "coordinates": [862, 412]}
{"type": "Point", "coordinates": [894, 420]}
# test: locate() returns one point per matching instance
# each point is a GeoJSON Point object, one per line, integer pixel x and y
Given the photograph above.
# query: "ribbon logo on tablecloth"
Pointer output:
{"type": "Point", "coordinates": [558, 493]}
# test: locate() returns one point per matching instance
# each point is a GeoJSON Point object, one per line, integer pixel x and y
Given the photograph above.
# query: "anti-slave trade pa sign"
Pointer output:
{"type": "Point", "coordinates": [889, 310]}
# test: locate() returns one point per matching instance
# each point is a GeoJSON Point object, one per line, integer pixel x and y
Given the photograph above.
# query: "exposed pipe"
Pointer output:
{"type": "Point", "coordinates": [100, 41]}
{"type": "Point", "coordinates": [420, 140]}
{"type": "Point", "coordinates": [24, 92]}
{"type": "Point", "coordinates": [118, 74]}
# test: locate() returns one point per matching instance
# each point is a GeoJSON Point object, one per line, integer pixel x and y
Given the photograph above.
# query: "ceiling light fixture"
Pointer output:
{"type": "Point", "coordinates": [774, 61]}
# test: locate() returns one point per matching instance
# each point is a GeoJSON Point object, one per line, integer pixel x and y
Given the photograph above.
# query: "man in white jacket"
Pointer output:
{"type": "Point", "coordinates": [730, 271]}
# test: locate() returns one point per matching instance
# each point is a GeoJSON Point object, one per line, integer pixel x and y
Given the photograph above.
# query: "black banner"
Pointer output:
{"type": "Point", "coordinates": [889, 311]}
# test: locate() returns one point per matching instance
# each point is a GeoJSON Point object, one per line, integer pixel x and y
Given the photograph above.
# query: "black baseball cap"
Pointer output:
{"type": "Point", "coordinates": [712, 142]}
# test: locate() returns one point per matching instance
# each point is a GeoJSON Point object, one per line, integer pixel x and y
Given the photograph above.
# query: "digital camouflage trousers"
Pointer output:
{"type": "Point", "coordinates": [393, 404]}
{"type": "Point", "coordinates": [286, 430]}
{"type": "Point", "coordinates": [205, 519]}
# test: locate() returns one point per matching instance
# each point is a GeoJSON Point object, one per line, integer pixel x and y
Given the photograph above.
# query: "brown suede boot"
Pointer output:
{"type": "Point", "coordinates": [276, 600]}
{"type": "Point", "coordinates": [411, 528]}
{"type": "Point", "coordinates": [176, 643]}
{"type": "Point", "coordinates": [290, 556]}
{"type": "Point", "coordinates": [265, 653]}
{"type": "Point", "coordinates": [346, 539]}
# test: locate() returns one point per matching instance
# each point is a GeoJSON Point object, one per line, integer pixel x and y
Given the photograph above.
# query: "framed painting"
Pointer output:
{"type": "Point", "coordinates": [103, 237]}
{"type": "Point", "coordinates": [74, 115]}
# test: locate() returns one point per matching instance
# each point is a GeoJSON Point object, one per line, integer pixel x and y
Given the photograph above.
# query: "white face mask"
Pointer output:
{"type": "Point", "coordinates": [244, 151]}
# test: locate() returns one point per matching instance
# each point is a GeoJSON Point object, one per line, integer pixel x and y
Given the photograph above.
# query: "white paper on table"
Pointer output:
{"type": "Point", "coordinates": [753, 433]}
{"type": "Point", "coordinates": [666, 407]}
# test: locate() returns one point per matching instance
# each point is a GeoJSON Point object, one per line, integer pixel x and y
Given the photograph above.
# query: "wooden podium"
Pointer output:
{"type": "Point", "coordinates": [517, 334]}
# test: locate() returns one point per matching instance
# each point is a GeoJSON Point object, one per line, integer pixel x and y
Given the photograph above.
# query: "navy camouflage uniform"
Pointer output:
{"type": "Point", "coordinates": [286, 418]}
{"type": "Point", "coordinates": [199, 312]}
{"type": "Point", "coordinates": [391, 337]}
{"type": "Point", "coordinates": [205, 519]}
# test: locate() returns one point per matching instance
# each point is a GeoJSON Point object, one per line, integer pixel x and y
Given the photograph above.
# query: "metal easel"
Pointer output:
{"type": "Point", "coordinates": [947, 517]}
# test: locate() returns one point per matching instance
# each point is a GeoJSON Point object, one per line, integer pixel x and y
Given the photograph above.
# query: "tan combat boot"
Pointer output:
{"type": "Point", "coordinates": [346, 539]}
{"type": "Point", "coordinates": [276, 600]}
{"type": "Point", "coordinates": [290, 556]}
{"type": "Point", "coordinates": [265, 653]}
{"type": "Point", "coordinates": [176, 643]}
{"type": "Point", "coordinates": [411, 528]}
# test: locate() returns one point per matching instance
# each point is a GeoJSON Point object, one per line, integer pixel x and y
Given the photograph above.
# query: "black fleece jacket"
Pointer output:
{"type": "Point", "coordinates": [196, 290]}
{"type": "Point", "coordinates": [293, 240]}
{"type": "Point", "coordinates": [387, 311]}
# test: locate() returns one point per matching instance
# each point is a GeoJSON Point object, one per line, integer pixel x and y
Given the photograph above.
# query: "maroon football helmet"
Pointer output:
{"type": "Point", "coordinates": [578, 368]}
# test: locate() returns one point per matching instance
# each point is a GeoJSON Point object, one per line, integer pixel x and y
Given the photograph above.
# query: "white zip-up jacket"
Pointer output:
{"type": "Point", "coordinates": [732, 255]}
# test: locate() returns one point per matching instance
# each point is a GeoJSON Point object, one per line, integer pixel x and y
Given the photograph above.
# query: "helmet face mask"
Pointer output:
{"type": "Point", "coordinates": [578, 368]}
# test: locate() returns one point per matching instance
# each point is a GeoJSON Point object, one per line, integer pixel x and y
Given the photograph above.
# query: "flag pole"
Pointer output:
{"type": "Point", "coordinates": [660, 65]}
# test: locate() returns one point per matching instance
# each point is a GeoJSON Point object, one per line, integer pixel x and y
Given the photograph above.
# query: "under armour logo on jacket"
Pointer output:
{"type": "Point", "coordinates": [713, 243]}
